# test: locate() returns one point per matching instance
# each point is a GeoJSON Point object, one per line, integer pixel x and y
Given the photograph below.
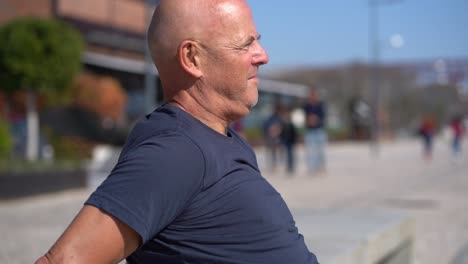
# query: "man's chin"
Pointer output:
{"type": "Point", "coordinates": [253, 104]}
{"type": "Point", "coordinates": [252, 99]}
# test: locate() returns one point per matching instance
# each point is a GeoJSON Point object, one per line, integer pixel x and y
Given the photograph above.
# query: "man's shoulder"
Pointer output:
{"type": "Point", "coordinates": [159, 128]}
{"type": "Point", "coordinates": [163, 119]}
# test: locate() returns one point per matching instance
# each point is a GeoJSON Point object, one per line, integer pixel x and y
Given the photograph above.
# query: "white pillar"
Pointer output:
{"type": "Point", "coordinates": [32, 123]}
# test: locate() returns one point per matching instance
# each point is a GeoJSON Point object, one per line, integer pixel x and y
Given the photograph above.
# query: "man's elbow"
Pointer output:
{"type": "Point", "coordinates": [50, 258]}
{"type": "Point", "coordinates": [43, 260]}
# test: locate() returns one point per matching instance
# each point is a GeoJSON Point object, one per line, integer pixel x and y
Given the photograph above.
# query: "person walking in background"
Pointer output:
{"type": "Point", "coordinates": [315, 135]}
{"type": "Point", "coordinates": [458, 130]}
{"type": "Point", "coordinates": [427, 131]}
{"type": "Point", "coordinates": [187, 187]}
{"type": "Point", "coordinates": [288, 139]}
{"type": "Point", "coordinates": [271, 135]}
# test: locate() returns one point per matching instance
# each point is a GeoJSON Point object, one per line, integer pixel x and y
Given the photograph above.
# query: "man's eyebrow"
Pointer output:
{"type": "Point", "coordinates": [253, 38]}
{"type": "Point", "coordinates": [247, 42]}
{"type": "Point", "coordinates": [257, 37]}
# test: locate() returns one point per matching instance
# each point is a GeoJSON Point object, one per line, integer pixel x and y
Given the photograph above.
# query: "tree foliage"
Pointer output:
{"type": "Point", "coordinates": [38, 54]}
{"type": "Point", "coordinates": [6, 140]}
{"type": "Point", "coordinates": [102, 95]}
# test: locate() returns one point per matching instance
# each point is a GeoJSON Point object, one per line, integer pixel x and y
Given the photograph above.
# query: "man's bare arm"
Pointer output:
{"type": "Point", "coordinates": [93, 237]}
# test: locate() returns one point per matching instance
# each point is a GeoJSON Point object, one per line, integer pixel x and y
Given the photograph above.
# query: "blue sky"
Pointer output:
{"type": "Point", "coordinates": [318, 32]}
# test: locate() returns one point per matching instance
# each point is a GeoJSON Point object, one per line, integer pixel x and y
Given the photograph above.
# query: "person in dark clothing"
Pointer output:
{"type": "Point", "coordinates": [316, 136]}
{"type": "Point", "coordinates": [288, 139]}
{"type": "Point", "coordinates": [427, 131]}
{"type": "Point", "coordinates": [458, 130]}
{"type": "Point", "coordinates": [271, 136]}
{"type": "Point", "coordinates": [187, 188]}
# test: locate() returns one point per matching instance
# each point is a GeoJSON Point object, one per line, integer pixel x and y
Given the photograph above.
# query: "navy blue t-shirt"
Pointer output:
{"type": "Point", "coordinates": [196, 196]}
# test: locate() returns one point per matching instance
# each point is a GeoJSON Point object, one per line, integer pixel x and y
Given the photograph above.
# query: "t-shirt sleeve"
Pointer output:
{"type": "Point", "coordinates": [151, 183]}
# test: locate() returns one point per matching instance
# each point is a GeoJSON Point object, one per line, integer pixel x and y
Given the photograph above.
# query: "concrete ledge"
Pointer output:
{"type": "Point", "coordinates": [357, 236]}
{"type": "Point", "coordinates": [22, 184]}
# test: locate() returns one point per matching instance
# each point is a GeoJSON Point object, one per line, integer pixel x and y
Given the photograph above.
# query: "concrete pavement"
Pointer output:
{"type": "Point", "coordinates": [434, 193]}
{"type": "Point", "coordinates": [398, 182]}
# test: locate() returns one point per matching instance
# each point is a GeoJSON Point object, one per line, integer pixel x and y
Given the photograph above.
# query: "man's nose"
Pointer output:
{"type": "Point", "coordinates": [260, 56]}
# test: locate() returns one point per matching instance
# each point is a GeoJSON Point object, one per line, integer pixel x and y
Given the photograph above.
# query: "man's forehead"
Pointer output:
{"type": "Point", "coordinates": [228, 7]}
{"type": "Point", "coordinates": [232, 17]}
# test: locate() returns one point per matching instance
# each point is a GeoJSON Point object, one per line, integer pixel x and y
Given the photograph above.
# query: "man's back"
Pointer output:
{"type": "Point", "coordinates": [230, 214]}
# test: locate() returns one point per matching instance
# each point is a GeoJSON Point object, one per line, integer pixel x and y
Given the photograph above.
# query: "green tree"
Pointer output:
{"type": "Point", "coordinates": [6, 141]}
{"type": "Point", "coordinates": [38, 56]}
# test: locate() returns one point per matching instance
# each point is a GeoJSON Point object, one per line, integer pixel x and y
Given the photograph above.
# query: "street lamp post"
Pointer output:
{"type": "Point", "coordinates": [374, 71]}
{"type": "Point", "coordinates": [374, 50]}
{"type": "Point", "coordinates": [151, 92]}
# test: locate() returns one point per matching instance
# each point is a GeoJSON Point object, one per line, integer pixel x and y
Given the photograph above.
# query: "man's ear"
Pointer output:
{"type": "Point", "coordinates": [189, 58]}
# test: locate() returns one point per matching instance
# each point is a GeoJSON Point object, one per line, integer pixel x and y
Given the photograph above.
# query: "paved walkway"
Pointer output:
{"type": "Point", "coordinates": [434, 193]}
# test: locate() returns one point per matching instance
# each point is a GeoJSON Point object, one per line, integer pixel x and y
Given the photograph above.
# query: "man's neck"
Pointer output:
{"type": "Point", "coordinates": [203, 114]}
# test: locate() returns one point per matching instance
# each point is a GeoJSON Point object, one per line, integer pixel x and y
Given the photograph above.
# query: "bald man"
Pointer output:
{"type": "Point", "coordinates": [187, 188]}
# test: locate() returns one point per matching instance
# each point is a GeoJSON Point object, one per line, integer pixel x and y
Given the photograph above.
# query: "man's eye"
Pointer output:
{"type": "Point", "coordinates": [248, 44]}
{"type": "Point", "coordinates": [245, 47]}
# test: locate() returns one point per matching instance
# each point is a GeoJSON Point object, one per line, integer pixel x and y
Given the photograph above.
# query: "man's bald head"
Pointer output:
{"type": "Point", "coordinates": [177, 20]}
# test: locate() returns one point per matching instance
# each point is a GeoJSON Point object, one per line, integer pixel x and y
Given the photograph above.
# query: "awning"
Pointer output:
{"type": "Point", "coordinates": [116, 63]}
{"type": "Point", "coordinates": [284, 88]}
{"type": "Point", "coordinates": [138, 67]}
